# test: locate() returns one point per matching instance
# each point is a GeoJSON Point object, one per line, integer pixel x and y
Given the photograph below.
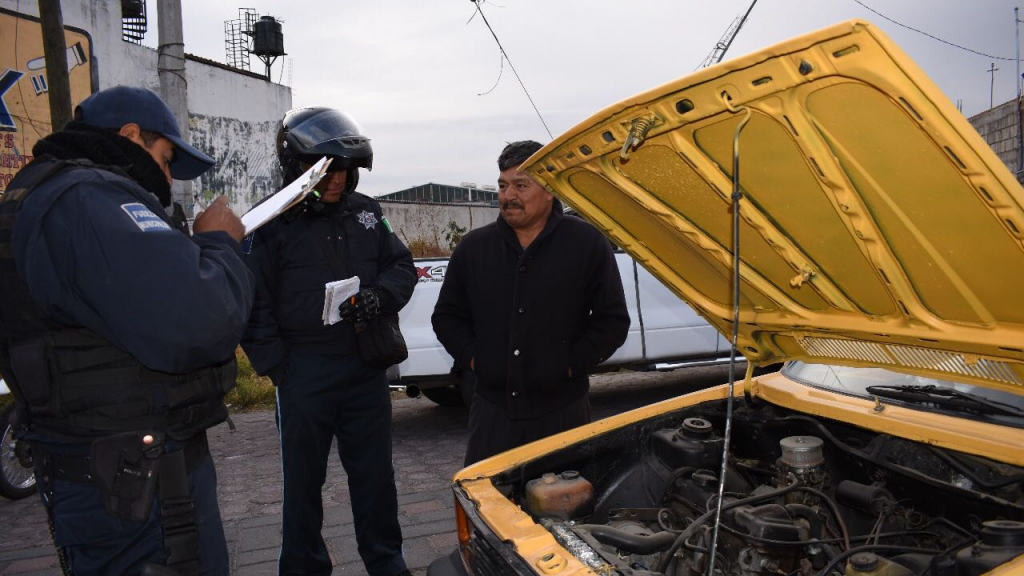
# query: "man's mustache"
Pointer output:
{"type": "Point", "coordinates": [511, 204]}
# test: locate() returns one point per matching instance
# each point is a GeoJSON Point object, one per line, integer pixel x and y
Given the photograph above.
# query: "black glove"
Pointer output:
{"type": "Point", "coordinates": [362, 307]}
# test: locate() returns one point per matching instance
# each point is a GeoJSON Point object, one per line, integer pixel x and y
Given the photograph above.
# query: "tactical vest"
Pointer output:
{"type": "Point", "coordinates": [72, 381]}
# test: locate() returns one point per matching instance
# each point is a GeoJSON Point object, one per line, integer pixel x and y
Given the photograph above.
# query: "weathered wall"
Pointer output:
{"type": "Point", "coordinates": [998, 126]}
{"type": "Point", "coordinates": [418, 223]}
{"type": "Point", "coordinates": [232, 115]}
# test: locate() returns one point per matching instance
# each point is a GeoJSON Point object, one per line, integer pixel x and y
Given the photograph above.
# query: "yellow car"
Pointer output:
{"type": "Point", "coordinates": [881, 250]}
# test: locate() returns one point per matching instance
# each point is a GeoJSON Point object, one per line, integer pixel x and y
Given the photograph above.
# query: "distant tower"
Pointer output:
{"type": "Point", "coordinates": [133, 21]}
{"type": "Point", "coordinates": [268, 41]}
{"type": "Point", "coordinates": [238, 38]}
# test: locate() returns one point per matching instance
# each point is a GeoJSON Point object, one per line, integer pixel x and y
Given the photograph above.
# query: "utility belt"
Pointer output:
{"type": "Point", "coordinates": [78, 469]}
{"type": "Point", "coordinates": [129, 469]}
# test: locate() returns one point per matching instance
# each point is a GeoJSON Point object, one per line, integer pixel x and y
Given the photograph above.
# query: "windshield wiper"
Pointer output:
{"type": "Point", "coordinates": [945, 397]}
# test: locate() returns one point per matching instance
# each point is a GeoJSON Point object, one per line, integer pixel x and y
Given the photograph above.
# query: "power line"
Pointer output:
{"type": "Point", "coordinates": [932, 36]}
{"type": "Point", "coordinates": [510, 65]}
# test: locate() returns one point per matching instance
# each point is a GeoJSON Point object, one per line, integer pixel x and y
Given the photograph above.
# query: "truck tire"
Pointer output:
{"type": "Point", "coordinates": [16, 481]}
{"type": "Point", "coordinates": [446, 396]}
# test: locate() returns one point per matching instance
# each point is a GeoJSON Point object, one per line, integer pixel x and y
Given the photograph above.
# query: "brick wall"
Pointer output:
{"type": "Point", "coordinates": [998, 127]}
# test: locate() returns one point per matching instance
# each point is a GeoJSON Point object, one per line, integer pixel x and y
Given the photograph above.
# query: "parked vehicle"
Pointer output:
{"type": "Point", "coordinates": [16, 481]}
{"type": "Point", "coordinates": [662, 330]}
{"type": "Point", "coordinates": [882, 250]}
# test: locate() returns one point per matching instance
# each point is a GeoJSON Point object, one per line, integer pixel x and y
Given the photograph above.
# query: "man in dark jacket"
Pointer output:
{"type": "Point", "coordinates": [324, 389]}
{"type": "Point", "coordinates": [118, 336]}
{"type": "Point", "coordinates": [530, 304]}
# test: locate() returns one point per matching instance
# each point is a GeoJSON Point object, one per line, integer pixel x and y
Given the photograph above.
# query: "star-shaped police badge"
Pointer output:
{"type": "Point", "coordinates": [368, 219]}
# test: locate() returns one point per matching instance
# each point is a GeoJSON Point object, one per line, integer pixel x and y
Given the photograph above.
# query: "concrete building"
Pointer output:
{"type": "Point", "coordinates": [446, 194]}
{"type": "Point", "coordinates": [999, 127]}
{"type": "Point", "coordinates": [233, 113]}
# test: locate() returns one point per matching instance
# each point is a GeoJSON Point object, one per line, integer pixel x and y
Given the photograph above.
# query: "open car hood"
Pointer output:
{"type": "Point", "coordinates": [878, 228]}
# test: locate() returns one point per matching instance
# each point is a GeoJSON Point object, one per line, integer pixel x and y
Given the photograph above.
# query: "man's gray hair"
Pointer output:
{"type": "Point", "coordinates": [515, 153]}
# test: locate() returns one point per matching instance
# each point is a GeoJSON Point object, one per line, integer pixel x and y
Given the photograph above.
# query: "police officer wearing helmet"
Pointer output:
{"type": "Point", "coordinates": [117, 334]}
{"type": "Point", "coordinates": [324, 389]}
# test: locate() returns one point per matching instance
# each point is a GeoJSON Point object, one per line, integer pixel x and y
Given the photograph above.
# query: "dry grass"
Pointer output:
{"type": "Point", "coordinates": [251, 392]}
{"type": "Point", "coordinates": [425, 248]}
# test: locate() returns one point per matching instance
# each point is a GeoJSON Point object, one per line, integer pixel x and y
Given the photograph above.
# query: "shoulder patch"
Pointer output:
{"type": "Point", "coordinates": [387, 224]}
{"type": "Point", "coordinates": [368, 219]}
{"type": "Point", "coordinates": [144, 218]}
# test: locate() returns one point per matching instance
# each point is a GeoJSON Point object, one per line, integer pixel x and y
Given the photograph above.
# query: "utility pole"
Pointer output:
{"type": "Point", "coordinates": [55, 55]}
{"type": "Point", "coordinates": [992, 86]}
{"type": "Point", "coordinates": [171, 69]}
{"type": "Point", "coordinates": [1020, 120]}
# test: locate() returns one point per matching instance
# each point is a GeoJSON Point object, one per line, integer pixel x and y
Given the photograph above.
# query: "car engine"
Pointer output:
{"type": "Point", "coordinates": [803, 496]}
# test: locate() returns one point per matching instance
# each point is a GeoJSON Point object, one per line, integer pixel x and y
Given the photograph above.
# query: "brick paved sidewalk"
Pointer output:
{"type": "Point", "coordinates": [429, 443]}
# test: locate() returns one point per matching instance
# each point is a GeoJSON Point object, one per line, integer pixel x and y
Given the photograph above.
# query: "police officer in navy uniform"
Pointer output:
{"type": "Point", "coordinates": [324, 388]}
{"type": "Point", "coordinates": [117, 334]}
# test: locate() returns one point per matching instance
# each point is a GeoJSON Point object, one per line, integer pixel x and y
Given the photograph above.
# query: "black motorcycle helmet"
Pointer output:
{"type": "Point", "coordinates": [308, 134]}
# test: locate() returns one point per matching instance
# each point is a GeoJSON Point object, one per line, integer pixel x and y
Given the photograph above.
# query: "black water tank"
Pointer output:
{"type": "Point", "coordinates": [267, 37]}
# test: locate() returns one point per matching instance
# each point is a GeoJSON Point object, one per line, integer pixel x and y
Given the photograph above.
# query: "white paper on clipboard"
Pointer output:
{"type": "Point", "coordinates": [275, 205]}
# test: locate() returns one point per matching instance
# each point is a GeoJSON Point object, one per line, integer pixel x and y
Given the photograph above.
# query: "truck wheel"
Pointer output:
{"type": "Point", "coordinates": [447, 396]}
{"type": "Point", "coordinates": [16, 481]}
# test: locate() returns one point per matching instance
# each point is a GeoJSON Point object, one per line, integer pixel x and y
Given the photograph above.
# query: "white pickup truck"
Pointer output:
{"type": "Point", "coordinates": [663, 330]}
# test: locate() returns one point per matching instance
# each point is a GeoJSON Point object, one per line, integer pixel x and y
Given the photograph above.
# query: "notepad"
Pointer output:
{"type": "Point", "coordinates": [334, 294]}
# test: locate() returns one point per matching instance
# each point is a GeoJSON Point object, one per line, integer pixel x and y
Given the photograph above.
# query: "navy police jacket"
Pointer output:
{"type": "Point", "coordinates": [291, 271]}
{"type": "Point", "coordinates": [103, 255]}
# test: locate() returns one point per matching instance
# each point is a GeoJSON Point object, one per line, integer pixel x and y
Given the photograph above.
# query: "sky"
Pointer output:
{"type": "Point", "coordinates": [427, 83]}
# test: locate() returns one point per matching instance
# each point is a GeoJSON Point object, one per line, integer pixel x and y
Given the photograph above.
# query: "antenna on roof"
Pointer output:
{"type": "Point", "coordinates": [722, 46]}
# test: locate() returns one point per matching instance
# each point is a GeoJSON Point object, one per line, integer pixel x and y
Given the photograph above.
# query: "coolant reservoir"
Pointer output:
{"type": "Point", "coordinates": [870, 564]}
{"type": "Point", "coordinates": [564, 496]}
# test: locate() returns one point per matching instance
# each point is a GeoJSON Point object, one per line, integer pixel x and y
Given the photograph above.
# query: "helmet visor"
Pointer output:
{"type": "Point", "coordinates": [331, 133]}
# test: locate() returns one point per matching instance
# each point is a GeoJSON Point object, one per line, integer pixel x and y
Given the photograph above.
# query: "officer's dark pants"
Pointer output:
{"type": "Point", "coordinates": [322, 398]}
{"type": "Point", "coordinates": [97, 543]}
{"type": "Point", "coordinates": [492, 431]}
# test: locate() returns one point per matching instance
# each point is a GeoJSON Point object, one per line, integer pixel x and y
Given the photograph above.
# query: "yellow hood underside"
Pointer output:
{"type": "Point", "coordinates": [877, 227]}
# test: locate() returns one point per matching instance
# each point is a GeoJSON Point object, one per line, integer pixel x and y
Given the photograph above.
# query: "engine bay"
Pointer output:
{"type": "Point", "coordinates": [803, 496]}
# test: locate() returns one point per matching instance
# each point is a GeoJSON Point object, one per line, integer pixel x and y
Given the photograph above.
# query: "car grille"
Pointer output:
{"type": "Point", "coordinates": [485, 560]}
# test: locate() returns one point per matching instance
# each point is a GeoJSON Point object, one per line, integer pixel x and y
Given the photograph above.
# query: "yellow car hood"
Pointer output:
{"type": "Point", "coordinates": [878, 228]}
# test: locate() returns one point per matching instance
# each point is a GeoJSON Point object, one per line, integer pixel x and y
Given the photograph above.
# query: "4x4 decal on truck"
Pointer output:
{"type": "Point", "coordinates": [431, 273]}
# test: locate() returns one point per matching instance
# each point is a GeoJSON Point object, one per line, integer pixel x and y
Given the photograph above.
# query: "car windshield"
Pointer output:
{"type": "Point", "coordinates": [857, 381]}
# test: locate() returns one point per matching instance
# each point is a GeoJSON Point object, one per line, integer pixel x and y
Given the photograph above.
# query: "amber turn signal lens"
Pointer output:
{"type": "Point", "coordinates": [461, 524]}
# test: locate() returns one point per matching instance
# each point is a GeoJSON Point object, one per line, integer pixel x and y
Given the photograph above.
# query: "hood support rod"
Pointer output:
{"type": "Point", "coordinates": [737, 195]}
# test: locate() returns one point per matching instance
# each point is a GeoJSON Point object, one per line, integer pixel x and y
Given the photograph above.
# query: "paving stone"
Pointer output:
{"type": "Point", "coordinates": [345, 550]}
{"type": "Point", "coordinates": [429, 528]}
{"type": "Point", "coordinates": [260, 538]}
{"type": "Point", "coordinates": [31, 565]}
{"type": "Point", "coordinates": [421, 507]}
{"type": "Point", "coordinates": [263, 569]}
{"type": "Point", "coordinates": [444, 514]}
{"type": "Point", "coordinates": [256, 521]}
{"type": "Point", "coordinates": [443, 542]}
{"type": "Point", "coordinates": [418, 553]}
{"type": "Point", "coordinates": [10, 555]}
{"type": "Point", "coordinates": [258, 556]}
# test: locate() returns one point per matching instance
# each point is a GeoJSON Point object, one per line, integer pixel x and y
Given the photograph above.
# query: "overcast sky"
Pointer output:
{"type": "Point", "coordinates": [412, 71]}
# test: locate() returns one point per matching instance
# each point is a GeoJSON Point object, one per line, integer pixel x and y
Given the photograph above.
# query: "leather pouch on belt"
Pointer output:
{"type": "Point", "coordinates": [126, 470]}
